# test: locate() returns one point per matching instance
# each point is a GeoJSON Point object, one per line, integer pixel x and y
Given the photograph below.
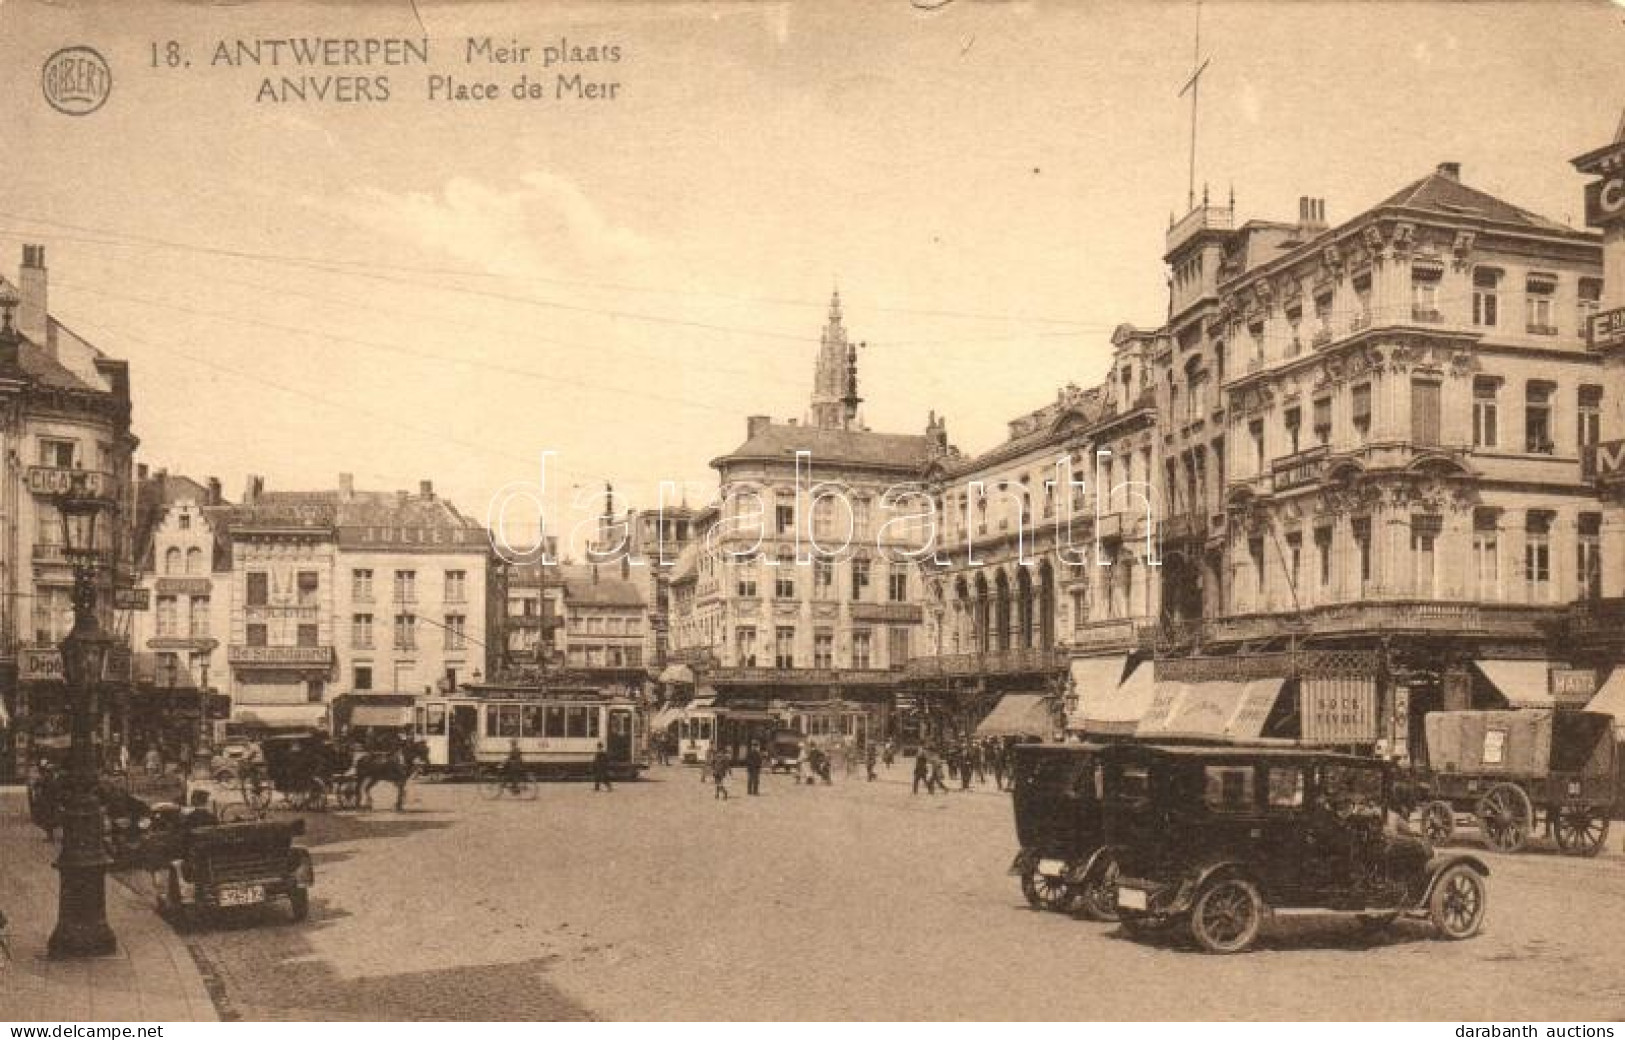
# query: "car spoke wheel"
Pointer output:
{"type": "Point", "coordinates": [1100, 890]}
{"type": "Point", "coordinates": [1227, 916]}
{"type": "Point", "coordinates": [1047, 892]}
{"type": "Point", "coordinates": [1459, 900]}
{"type": "Point", "coordinates": [1506, 817]}
{"type": "Point", "coordinates": [1579, 832]}
{"type": "Point", "coordinates": [1438, 822]}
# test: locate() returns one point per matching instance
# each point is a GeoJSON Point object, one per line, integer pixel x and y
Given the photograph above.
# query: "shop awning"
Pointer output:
{"type": "Point", "coordinates": [1107, 703]}
{"type": "Point", "coordinates": [1018, 715]}
{"type": "Point", "coordinates": [281, 716]}
{"type": "Point", "coordinates": [1214, 710]}
{"type": "Point", "coordinates": [1524, 684]}
{"type": "Point", "coordinates": [1611, 699]}
{"type": "Point", "coordinates": [383, 715]}
{"type": "Point", "coordinates": [677, 673]}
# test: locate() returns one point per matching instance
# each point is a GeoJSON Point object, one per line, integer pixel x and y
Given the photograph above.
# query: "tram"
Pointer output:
{"type": "Point", "coordinates": [558, 732]}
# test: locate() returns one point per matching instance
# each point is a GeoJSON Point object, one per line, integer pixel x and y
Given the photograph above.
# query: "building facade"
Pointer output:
{"type": "Point", "coordinates": [66, 409]}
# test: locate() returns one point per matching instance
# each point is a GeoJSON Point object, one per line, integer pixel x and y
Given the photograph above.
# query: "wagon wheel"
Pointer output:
{"type": "Point", "coordinates": [1045, 892]}
{"type": "Point", "coordinates": [347, 792]}
{"type": "Point", "coordinates": [1506, 817]}
{"type": "Point", "coordinates": [1579, 831]}
{"type": "Point", "coordinates": [314, 797]}
{"type": "Point", "coordinates": [1438, 822]}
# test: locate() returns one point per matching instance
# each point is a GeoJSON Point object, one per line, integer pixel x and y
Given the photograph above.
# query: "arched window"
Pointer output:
{"type": "Point", "coordinates": [172, 560]}
{"type": "Point", "coordinates": [194, 560]}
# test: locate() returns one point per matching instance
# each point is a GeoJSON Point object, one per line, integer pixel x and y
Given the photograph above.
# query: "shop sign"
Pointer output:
{"type": "Point", "coordinates": [1573, 686]}
{"type": "Point", "coordinates": [399, 538]}
{"type": "Point", "coordinates": [132, 599]}
{"type": "Point", "coordinates": [1607, 459]}
{"type": "Point", "coordinates": [1607, 329]}
{"type": "Point", "coordinates": [52, 480]}
{"type": "Point", "coordinates": [39, 664]}
{"type": "Point", "coordinates": [1605, 200]}
{"type": "Point", "coordinates": [1339, 710]}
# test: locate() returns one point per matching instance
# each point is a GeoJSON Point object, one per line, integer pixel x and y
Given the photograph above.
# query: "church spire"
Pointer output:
{"type": "Point", "coordinates": [829, 376]}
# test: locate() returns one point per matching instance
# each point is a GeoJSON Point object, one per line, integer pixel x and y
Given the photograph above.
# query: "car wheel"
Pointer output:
{"type": "Point", "coordinates": [1100, 890]}
{"type": "Point", "coordinates": [1227, 915]}
{"type": "Point", "coordinates": [299, 899]}
{"type": "Point", "coordinates": [224, 777]}
{"type": "Point", "coordinates": [1459, 900]}
{"type": "Point", "coordinates": [1044, 892]}
{"type": "Point", "coordinates": [1438, 822]}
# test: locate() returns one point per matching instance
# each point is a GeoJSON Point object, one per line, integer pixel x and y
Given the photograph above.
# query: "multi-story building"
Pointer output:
{"type": "Point", "coordinates": [797, 588]}
{"type": "Point", "coordinates": [606, 626]}
{"type": "Point", "coordinates": [183, 569]}
{"type": "Point", "coordinates": [352, 592]}
{"type": "Point", "coordinates": [67, 409]}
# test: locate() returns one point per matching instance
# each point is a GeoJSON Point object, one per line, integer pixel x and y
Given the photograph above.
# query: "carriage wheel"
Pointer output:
{"type": "Point", "coordinates": [1438, 822]}
{"type": "Point", "coordinates": [315, 797]}
{"type": "Point", "coordinates": [1579, 831]}
{"type": "Point", "coordinates": [1506, 817]}
{"type": "Point", "coordinates": [347, 793]}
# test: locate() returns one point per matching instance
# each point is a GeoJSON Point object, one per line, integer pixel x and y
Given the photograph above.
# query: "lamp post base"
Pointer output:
{"type": "Point", "coordinates": [76, 939]}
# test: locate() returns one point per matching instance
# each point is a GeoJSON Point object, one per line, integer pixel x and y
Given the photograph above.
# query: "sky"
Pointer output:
{"type": "Point", "coordinates": [423, 288]}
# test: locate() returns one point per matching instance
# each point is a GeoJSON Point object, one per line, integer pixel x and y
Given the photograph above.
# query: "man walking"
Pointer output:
{"type": "Point", "coordinates": [922, 771]}
{"type": "Point", "coordinates": [600, 770]}
{"type": "Point", "coordinates": [870, 757]}
{"type": "Point", "coordinates": [753, 769]}
{"type": "Point", "coordinates": [719, 776]}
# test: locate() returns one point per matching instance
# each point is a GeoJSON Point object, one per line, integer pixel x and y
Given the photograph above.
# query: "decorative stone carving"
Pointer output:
{"type": "Point", "coordinates": [1332, 258]}
{"type": "Point", "coordinates": [1372, 238]}
{"type": "Point", "coordinates": [1462, 248]}
{"type": "Point", "coordinates": [1404, 236]}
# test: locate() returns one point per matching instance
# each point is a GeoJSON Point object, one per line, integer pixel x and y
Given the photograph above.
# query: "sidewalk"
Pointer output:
{"type": "Point", "coordinates": [150, 979]}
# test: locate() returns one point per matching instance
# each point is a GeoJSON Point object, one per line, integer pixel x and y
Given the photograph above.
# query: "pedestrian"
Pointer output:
{"type": "Point", "coordinates": [889, 755]}
{"type": "Point", "coordinates": [753, 769]}
{"type": "Point", "coordinates": [979, 760]}
{"type": "Point", "coordinates": [965, 766]}
{"type": "Point", "coordinates": [719, 776]}
{"type": "Point", "coordinates": [869, 759]}
{"type": "Point", "coordinates": [123, 758]}
{"type": "Point", "coordinates": [154, 761]}
{"type": "Point", "coordinates": [922, 771]}
{"type": "Point", "coordinates": [600, 769]}
{"type": "Point", "coordinates": [936, 771]}
{"type": "Point", "coordinates": [45, 800]}
{"type": "Point", "coordinates": [802, 758]}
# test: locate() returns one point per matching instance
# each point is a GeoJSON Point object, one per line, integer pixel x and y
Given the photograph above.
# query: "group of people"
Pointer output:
{"type": "Point", "coordinates": [935, 766]}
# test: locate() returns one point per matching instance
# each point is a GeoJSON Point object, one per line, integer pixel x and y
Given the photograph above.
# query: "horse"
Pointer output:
{"type": "Point", "coordinates": [396, 767]}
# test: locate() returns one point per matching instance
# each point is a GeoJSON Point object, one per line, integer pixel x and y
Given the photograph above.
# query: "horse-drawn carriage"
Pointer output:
{"type": "Point", "coordinates": [1514, 771]}
{"type": "Point", "coordinates": [306, 769]}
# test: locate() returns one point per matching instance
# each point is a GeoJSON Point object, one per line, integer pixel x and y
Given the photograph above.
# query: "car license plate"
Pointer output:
{"type": "Point", "coordinates": [243, 895]}
{"type": "Point", "coordinates": [1131, 898]}
{"type": "Point", "coordinates": [1052, 867]}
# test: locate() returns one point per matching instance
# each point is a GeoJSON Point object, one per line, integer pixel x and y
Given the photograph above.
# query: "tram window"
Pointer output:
{"type": "Point", "coordinates": [533, 724]}
{"type": "Point", "coordinates": [592, 722]}
{"type": "Point", "coordinates": [417, 719]}
{"type": "Point", "coordinates": [436, 720]}
{"type": "Point", "coordinates": [576, 722]}
{"type": "Point", "coordinates": [555, 722]}
{"type": "Point", "coordinates": [507, 720]}
{"type": "Point", "coordinates": [491, 721]}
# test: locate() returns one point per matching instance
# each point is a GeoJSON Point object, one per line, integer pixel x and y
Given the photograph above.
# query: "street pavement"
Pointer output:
{"type": "Point", "coordinates": [151, 978]}
{"type": "Point", "coordinates": [856, 901]}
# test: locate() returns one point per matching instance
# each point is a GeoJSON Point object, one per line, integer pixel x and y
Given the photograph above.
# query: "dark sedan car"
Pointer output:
{"type": "Point", "coordinates": [1218, 838]}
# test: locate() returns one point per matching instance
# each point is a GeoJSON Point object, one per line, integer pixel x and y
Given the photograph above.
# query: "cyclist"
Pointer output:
{"type": "Point", "coordinates": [513, 768]}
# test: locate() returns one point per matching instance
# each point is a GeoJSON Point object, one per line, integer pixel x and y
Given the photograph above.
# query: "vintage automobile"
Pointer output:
{"type": "Point", "coordinates": [1063, 863]}
{"type": "Point", "coordinates": [197, 870]}
{"type": "Point", "coordinates": [784, 750]}
{"type": "Point", "coordinates": [1219, 838]}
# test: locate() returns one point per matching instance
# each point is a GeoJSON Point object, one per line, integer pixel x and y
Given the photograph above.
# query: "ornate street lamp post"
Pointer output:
{"type": "Point", "coordinates": [81, 921]}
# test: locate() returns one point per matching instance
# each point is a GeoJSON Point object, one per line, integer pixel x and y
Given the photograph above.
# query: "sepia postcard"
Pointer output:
{"type": "Point", "coordinates": [812, 511]}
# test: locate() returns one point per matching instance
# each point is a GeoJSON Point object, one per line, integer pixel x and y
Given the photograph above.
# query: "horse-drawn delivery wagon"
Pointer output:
{"type": "Point", "coordinates": [1516, 770]}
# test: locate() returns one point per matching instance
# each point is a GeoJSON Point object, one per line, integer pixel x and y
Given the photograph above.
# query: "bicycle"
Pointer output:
{"type": "Point", "coordinates": [255, 787]}
{"type": "Point", "coordinates": [494, 785]}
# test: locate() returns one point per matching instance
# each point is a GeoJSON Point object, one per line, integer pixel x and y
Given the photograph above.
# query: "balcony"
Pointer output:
{"type": "Point", "coordinates": [1304, 467]}
{"type": "Point", "coordinates": [1541, 330]}
{"type": "Point", "coordinates": [45, 552]}
{"type": "Point", "coordinates": [1321, 338]}
{"type": "Point", "coordinates": [1428, 315]}
{"type": "Point", "coordinates": [888, 613]}
{"type": "Point", "coordinates": [1185, 526]}
{"type": "Point", "coordinates": [799, 676]}
{"type": "Point", "coordinates": [1016, 661]}
{"type": "Point", "coordinates": [1401, 616]}
{"type": "Point", "coordinates": [280, 656]}
{"type": "Point", "coordinates": [1596, 623]}
{"type": "Point", "coordinates": [1359, 322]}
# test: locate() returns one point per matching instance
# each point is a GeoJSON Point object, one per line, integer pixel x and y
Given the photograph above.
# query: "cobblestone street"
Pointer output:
{"type": "Point", "coordinates": [852, 901]}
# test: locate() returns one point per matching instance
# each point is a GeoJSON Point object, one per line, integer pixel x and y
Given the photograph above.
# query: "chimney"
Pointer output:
{"type": "Point", "coordinates": [347, 486]}
{"type": "Point", "coordinates": [426, 490]}
{"type": "Point", "coordinates": [214, 491]}
{"type": "Point", "coordinates": [1450, 171]}
{"type": "Point", "coordinates": [32, 316]}
{"type": "Point", "coordinates": [1311, 215]}
{"type": "Point", "coordinates": [141, 471]}
{"type": "Point", "coordinates": [757, 424]}
{"type": "Point", "coordinates": [401, 498]}
{"type": "Point", "coordinates": [252, 488]}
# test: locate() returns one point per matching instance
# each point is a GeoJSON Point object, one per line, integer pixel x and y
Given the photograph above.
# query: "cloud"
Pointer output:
{"type": "Point", "coordinates": [545, 224]}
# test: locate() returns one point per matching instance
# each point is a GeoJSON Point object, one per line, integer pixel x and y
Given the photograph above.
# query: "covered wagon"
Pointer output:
{"type": "Point", "coordinates": [1515, 771]}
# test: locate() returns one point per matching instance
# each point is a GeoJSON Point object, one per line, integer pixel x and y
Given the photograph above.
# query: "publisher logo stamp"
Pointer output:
{"type": "Point", "coordinates": [76, 81]}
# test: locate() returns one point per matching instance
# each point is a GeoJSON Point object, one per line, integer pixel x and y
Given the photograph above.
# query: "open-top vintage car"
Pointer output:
{"type": "Point", "coordinates": [1063, 863]}
{"type": "Point", "coordinates": [1219, 838]}
{"type": "Point", "coordinates": [202, 869]}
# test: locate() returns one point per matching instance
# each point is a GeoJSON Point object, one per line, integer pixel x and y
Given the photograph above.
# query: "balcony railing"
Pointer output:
{"type": "Point", "coordinates": [1014, 661]}
{"type": "Point", "coordinates": [1305, 467]}
{"type": "Point", "coordinates": [1359, 321]}
{"type": "Point", "coordinates": [1401, 615]}
{"type": "Point", "coordinates": [896, 613]}
{"type": "Point", "coordinates": [799, 676]}
{"type": "Point", "coordinates": [1541, 330]}
{"type": "Point", "coordinates": [1115, 634]}
{"type": "Point", "coordinates": [1185, 525]}
{"type": "Point", "coordinates": [1431, 315]}
{"type": "Point", "coordinates": [1321, 337]}
{"type": "Point", "coordinates": [1597, 620]}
